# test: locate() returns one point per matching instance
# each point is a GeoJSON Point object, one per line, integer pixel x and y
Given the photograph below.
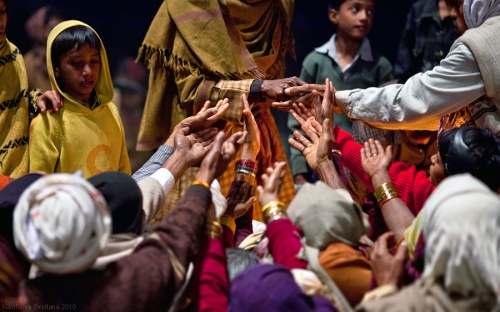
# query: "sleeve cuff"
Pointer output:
{"type": "Point", "coordinates": [255, 94]}
{"type": "Point", "coordinates": [165, 177]}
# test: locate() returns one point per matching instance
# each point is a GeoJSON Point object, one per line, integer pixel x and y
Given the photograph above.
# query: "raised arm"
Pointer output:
{"type": "Point", "coordinates": [375, 161]}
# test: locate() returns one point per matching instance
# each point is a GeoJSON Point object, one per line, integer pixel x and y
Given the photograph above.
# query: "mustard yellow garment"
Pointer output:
{"type": "Point", "coordinates": [14, 114]}
{"type": "Point", "coordinates": [78, 138]}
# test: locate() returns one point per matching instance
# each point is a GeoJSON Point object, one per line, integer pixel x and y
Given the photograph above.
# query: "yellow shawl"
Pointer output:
{"type": "Point", "coordinates": [14, 114]}
{"type": "Point", "coordinates": [208, 40]}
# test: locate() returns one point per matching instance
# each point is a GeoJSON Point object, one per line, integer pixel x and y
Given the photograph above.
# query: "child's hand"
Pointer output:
{"type": "Point", "coordinates": [374, 159]}
{"type": "Point", "coordinates": [51, 100]}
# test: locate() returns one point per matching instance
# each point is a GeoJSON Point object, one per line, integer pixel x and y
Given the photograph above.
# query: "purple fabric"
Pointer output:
{"type": "Point", "coordinates": [415, 266]}
{"type": "Point", "coordinates": [243, 227]}
{"type": "Point", "coordinates": [269, 287]}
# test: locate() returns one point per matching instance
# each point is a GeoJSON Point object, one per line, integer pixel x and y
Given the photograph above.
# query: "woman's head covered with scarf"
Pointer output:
{"type": "Point", "coordinates": [326, 216]}
{"type": "Point", "coordinates": [476, 12]}
{"type": "Point", "coordinates": [269, 287]}
{"type": "Point", "coordinates": [461, 227]}
{"type": "Point", "coordinates": [61, 223]}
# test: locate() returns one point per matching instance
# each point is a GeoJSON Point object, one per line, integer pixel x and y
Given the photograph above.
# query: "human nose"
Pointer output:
{"type": "Point", "coordinates": [363, 14]}
{"type": "Point", "coordinates": [87, 70]}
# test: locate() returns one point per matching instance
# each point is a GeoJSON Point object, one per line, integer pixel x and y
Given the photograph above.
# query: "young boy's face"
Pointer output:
{"type": "Point", "coordinates": [354, 18]}
{"type": "Point", "coordinates": [3, 20]}
{"type": "Point", "coordinates": [78, 72]}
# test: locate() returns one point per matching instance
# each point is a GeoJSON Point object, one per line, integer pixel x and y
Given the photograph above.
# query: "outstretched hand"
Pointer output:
{"type": "Point", "coordinates": [374, 159]}
{"type": "Point", "coordinates": [205, 119]}
{"type": "Point", "coordinates": [49, 100]}
{"type": "Point", "coordinates": [272, 180]}
{"type": "Point", "coordinates": [219, 156]}
{"type": "Point", "coordinates": [319, 150]}
{"type": "Point", "coordinates": [194, 146]}
{"type": "Point", "coordinates": [251, 146]}
{"type": "Point", "coordinates": [275, 89]}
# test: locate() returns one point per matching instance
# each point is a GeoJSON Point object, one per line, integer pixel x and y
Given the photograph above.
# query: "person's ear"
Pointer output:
{"type": "Point", "coordinates": [56, 72]}
{"type": "Point", "coordinates": [332, 15]}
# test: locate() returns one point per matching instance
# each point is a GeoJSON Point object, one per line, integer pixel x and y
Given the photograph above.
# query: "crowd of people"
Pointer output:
{"type": "Point", "coordinates": [395, 207]}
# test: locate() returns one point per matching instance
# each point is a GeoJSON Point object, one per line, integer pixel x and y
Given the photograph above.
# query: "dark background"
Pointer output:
{"type": "Point", "coordinates": [122, 24]}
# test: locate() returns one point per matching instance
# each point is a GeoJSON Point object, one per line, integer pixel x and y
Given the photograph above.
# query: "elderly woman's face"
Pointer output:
{"type": "Point", "coordinates": [457, 13]}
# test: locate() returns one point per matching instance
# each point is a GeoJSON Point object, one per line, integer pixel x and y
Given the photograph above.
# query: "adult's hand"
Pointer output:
{"type": "Point", "coordinates": [272, 180]}
{"type": "Point", "coordinates": [251, 146]}
{"type": "Point", "coordinates": [304, 94]}
{"type": "Point", "coordinates": [317, 148]}
{"type": "Point", "coordinates": [387, 269]}
{"type": "Point", "coordinates": [221, 153]}
{"type": "Point", "coordinates": [189, 149]}
{"type": "Point", "coordinates": [374, 159]}
{"type": "Point", "coordinates": [194, 147]}
{"type": "Point", "coordinates": [205, 119]}
{"type": "Point", "coordinates": [236, 208]}
{"type": "Point", "coordinates": [275, 89]}
{"type": "Point", "coordinates": [50, 100]}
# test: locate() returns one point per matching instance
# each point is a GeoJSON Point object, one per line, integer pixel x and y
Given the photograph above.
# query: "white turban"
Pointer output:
{"type": "Point", "coordinates": [478, 11]}
{"type": "Point", "coordinates": [61, 223]}
{"type": "Point", "coordinates": [461, 227]}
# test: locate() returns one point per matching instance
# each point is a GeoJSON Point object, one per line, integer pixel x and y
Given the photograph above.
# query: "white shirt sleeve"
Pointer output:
{"type": "Point", "coordinates": [166, 179]}
{"type": "Point", "coordinates": [423, 99]}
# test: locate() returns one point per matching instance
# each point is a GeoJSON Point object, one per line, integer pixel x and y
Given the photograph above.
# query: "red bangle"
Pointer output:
{"type": "Point", "coordinates": [247, 163]}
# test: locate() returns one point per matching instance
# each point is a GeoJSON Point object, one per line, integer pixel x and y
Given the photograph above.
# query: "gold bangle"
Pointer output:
{"type": "Point", "coordinates": [214, 230]}
{"type": "Point", "coordinates": [385, 192]}
{"type": "Point", "coordinates": [273, 203]}
{"type": "Point", "coordinates": [229, 222]}
{"type": "Point", "coordinates": [200, 182]}
{"type": "Point", "coordinates": [274, 213]}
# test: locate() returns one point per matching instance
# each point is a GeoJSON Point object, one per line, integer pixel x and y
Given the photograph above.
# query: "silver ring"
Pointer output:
{"type": "Point", "coordinates": [373, 155]}
{"type": "Point", "coordinates": [303, 148]}
{"type": "Point", "coordinates": [309, 145]}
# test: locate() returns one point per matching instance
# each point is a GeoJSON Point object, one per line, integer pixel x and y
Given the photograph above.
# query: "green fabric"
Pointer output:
{"type": "Point", "coordinates": [190, 46]}
{"type": "Point", "coordinates": [14, 113]}
{"type": "Point", "coordinates": [78, 138]}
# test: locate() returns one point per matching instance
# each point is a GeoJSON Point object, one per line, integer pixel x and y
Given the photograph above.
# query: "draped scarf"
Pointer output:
{"type": "Point", "coordinates": [476, 12]}
{"type": "Point", "coordinates": [14, 113]}
{"type": "Point", "coordinates": [218, 39]}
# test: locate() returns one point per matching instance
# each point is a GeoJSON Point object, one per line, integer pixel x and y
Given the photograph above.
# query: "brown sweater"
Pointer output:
{"type": "Point", "coordinates": [147, 280]}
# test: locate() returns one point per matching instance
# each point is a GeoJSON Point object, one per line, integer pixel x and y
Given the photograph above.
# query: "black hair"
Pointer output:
{"type": "Point", "coordinates": [70, 38]}
{"type": "Point", "coordinates": [335, 4]}
{"type": "Point", "coordinates": [473, 150]}
{"type": "Point", "coordinates": [238, 260]}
